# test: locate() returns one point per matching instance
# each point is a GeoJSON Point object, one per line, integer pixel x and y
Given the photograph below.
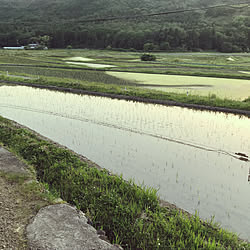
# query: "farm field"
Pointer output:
{"type": "Point", "coordinates": [213, 64]}
{"type": "Point", "coordinates": [236, 64]}
{"type": "Point", "coordinates": [224, 88]}
{"type": "Point", "coordinates": [215, 75]}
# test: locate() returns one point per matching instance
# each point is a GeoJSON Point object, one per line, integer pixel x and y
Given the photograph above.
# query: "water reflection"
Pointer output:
{"type": "Point", "coordinates": [190, 156]}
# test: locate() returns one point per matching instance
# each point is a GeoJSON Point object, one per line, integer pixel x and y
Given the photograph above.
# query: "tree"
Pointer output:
{"type": "Point", "coordinates": [42, 40]}
{"type": "Point", "coordinates": [164, 46]}
{"type": "Point", "coordinates": [148, 46]}
{"type": "Point", "coordinates": [227, 47]}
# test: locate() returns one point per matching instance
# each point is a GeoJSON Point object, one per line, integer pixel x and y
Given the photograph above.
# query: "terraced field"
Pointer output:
{"type": "Point", "coordinates": [236, 89]}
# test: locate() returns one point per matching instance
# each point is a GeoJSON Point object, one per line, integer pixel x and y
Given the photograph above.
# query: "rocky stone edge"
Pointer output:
{"type": "Point", "coordinates": [62, 226]}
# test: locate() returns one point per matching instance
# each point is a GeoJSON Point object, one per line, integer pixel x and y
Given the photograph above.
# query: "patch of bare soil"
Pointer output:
{"type": "Point", "coordinates": [12, 218]}
{"type": "Point", "coordinates": [17, 207]}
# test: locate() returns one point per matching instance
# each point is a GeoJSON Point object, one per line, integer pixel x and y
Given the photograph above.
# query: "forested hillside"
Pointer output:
{"type": "Point", "coordinates": [225, 28]}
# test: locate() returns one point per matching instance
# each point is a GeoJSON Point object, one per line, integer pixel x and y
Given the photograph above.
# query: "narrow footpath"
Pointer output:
{"type": "Point", "coordinates": [12, 222]}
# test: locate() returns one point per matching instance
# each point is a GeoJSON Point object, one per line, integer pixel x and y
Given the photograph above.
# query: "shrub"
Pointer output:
{"type": "Point", "coordinates": [164, 46]}
{"type": "Point", "coordinates": [236, 49]}
{"type": "Point", "coordinates": [226, 47]}
{"type": "Point", "coordinates": [132, 50]}
{"type": "Point", "coordinates": [212, 96]}
{"type": "Point", "coordinates": [148, 57]}
{"type": "Point", "coordinates": [148, 46]}
{"type": "Point", "coordinates": [247, 99]}
{"type": "Point", "coordinates": [197, 50]}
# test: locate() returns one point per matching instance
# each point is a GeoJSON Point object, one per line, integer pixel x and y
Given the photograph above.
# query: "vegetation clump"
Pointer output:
{"type": "Point", "coordinates": [131, 215]}
{"type": "Point", "coordinates": [247, 99]}
{"type": "Point", "coordinates": [148, 57]}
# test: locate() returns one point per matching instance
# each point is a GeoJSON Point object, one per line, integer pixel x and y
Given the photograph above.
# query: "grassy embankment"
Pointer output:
{"type": "Point", "coordinates": [130, 215]}
{"type": "Point", "coordinates": [126, 88]}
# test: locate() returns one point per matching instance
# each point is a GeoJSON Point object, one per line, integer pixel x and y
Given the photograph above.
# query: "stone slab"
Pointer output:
{"type": "Point", "coordinates": [63, 227]}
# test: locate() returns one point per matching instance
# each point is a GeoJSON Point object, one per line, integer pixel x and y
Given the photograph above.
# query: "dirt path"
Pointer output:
{"type": "Point", "coordinates": [19, 201]}
{"type": "Point", "coordinates": [12, 221]}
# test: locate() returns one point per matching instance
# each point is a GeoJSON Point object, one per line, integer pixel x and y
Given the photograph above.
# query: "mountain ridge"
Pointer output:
{"type": "Point", "coordinates": [100, 7]}
{"type": "Point", "coordinates": [222, 28]}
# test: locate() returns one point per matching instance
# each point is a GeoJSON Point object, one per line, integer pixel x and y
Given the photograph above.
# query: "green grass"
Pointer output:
{"type": "Point", "coordinates": [131, 215]}
{"type": "Point", "coordinates": [15, 177]}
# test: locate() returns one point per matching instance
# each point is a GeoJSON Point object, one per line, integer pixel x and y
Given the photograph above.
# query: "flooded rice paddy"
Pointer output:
{"type": "Point", "coordinates": [188, 155]}
{"type": "Point", "coordinates": [82, 61]}
{"type": "Point", "coordinates": [92, 65]}
{"type": "Point", "coordinates": [79, 59]}
{"type": "Point", "coordinates": [235, 89]}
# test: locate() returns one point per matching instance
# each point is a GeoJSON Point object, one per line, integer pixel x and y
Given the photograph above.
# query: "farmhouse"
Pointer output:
{"type": "Point", "coordinates": [32, 46]}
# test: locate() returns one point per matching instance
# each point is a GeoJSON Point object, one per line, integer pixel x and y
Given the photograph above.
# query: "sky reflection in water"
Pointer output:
{"type": "Point", "coordinates": [188, 155]}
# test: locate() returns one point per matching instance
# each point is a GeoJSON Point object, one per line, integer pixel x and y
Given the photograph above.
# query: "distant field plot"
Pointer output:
{"type": "Point", "coordinates": [204, 64]}
{"type": "Point", "coordinates": [92, 65]}
{"type": "Point", "coordinates": [225, 88]}
{"type": "Point", "coordinates": [80, 75]}
{"type": "Point", "coordinates": [23, 57]}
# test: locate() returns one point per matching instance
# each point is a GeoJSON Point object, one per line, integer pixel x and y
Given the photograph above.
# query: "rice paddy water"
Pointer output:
{"type": "Point", "coordinates": [188, 155]}
{"type": "Point", "coordinates": [235, 89]}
